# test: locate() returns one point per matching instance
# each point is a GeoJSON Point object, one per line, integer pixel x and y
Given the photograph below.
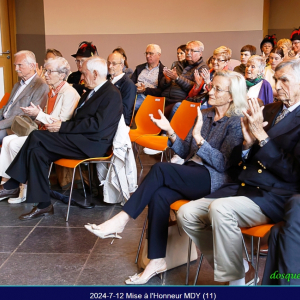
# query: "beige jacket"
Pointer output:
{"type": "Point", "coordinates": [66, 101]}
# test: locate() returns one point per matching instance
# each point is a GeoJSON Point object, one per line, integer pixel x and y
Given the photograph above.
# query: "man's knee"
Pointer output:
{"type": "Point", "coordinates": [187, 214]}
{"type": "Point", "coordinates": [293, 202]}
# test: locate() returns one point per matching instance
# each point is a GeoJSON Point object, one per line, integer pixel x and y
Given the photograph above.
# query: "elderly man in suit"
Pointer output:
{"type": "Point", "coordinates": [115, 65]}
{"type": "Point", "coordinates": [89, 133]}
{"type": "Point", "coordinates": [269, 175]}
{"type": "Point", "coordinates": [31, 88]}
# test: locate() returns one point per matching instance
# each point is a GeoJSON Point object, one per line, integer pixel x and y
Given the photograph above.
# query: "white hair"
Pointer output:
{"type": "Point", "coordinates": [120, 56]}
{"type": "Point", "coordinates": [29, 56]}
{"type": "Point", "coordinates": [238, 91]}
{"type": "Point", "coordinates": [294, 63]}
{"type": "Point", "coordinates": [261, 62]}
{"type": "Point", "coordinates": [98, 64]}
{"type": "Point", "coordinates": [200, 44]}
{"type": "Point", "coordinates": [156, 47]}
{"type": "Point", "coordinates": [62, 65]}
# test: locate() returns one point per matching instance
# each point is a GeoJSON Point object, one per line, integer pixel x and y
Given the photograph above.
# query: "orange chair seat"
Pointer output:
{"type": "Point", "coordinates": [134, 134]}
{"type": "Point", "coordinates": [73, 163]}
{"type": "Point", "coordinates": [156, 142]}
{"type": "Point", "coordinates": [257, 231]}
{"type": "Point", "coordinates": [177, 204]}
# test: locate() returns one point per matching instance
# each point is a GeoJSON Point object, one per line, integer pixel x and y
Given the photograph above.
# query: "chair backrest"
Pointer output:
{"type": "Point", "coordinates": [150, 105]}
{"type": "Point", "coordinates": [4, 100]}
{"type": "Point", "coordinates": [133, 111]}
{"type": "Point", "coordinates": [184, 118]}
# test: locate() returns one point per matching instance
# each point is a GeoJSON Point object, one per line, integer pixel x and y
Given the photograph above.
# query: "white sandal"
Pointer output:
{"type": "Point", "coordinates": [103, 235]}
{"type": "Point", "coordinates": [136, 278]}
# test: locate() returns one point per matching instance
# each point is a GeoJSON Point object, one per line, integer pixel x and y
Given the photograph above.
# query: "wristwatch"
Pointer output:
{"type": "Point", "coordinates": [263, 142]}
{"type": "Point", "coordinates": [172, 135]}
{"type": "Point", "coordinates": [201, 143]}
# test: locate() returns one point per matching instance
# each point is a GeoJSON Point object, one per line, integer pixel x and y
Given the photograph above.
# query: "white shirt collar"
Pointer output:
{"type": "Point", "coordinates": [22, 82]}
{"type": "Point", "coordinates": [291, 108]}
{"type": "Point", "coordinates": [115, 79]}
{"type": "Point", "coordinates": [99, 86]}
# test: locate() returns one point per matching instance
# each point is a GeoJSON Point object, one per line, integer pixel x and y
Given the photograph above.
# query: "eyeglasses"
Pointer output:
{"type": "Point", "coordinates": [113, 63]}
{"type": "Point", "coordinates": [191, 50]}
{"type": "Point", "coordinates": [217, 60]}
{"type": "Point", "coordinates": [149, 53]}
{"type": "Point", "coordinates": [79, 61]}
{"type": "Point", "coordinates": [50, 71]}
{"type": "Point", "coordinates": [216, 89]}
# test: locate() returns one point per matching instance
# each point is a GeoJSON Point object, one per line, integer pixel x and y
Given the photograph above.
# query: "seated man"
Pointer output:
{"type": "Point", "coordinates": [89, 133]}
{"type": "Point", "coordinates": [147, 76]}
{"type": "Point", "coordinates": [115, 65]}
{"type": "Point", "coordinates": [176, 86]}
{"type": "Point", "coordinates": [269, 176]}
{"type": "Point", "coordinates": [31, 88]}
{"type": "Point", "coordinates": [246, 52]}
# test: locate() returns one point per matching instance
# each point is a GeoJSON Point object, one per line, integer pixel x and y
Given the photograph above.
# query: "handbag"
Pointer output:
{"type": "Point", "coordinates": [23, 125]}
{"type": "Point", "coordinates": [177, 249]}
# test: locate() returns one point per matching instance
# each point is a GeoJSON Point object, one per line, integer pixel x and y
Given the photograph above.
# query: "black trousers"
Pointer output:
{"type": "Point", "coordinates": [284, 248]}
{"type": "Point", "coordinates": [163, 185]}
{"type": "Point", "coordinates": [33, 161]}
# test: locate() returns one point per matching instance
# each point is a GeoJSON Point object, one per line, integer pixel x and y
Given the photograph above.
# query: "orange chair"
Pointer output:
{"type": "Point", "coordinates": [182, 122]}
{"type": "Point", "coordinates": [144, 125]}
{"type": "Point", "coordinates": [4, 100]}
{"type": "Point", "coordinates": [73, 163]}
{"type": "Point", "coordinates": [132, 117]}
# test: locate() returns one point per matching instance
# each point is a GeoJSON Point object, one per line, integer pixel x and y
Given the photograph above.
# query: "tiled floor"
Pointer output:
{"type": "Point", "coordinates": [49, 251]}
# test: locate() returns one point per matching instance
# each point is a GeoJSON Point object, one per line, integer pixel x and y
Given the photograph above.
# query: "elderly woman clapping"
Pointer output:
{"type": "Point", "coordinates": [207, 149]}
{"type": "Point", "coordinates": [257, 86]}
{"type": "Point", "coordinates": [62, 100]}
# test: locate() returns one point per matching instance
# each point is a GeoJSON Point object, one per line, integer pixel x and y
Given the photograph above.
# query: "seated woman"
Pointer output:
{"type": "Point", "coordinates": [62, 100]}
{"type": "Point", "coordinates": [179, 64]}
{"type": "Point", "coordinates": [276, 56]}
{"type": "Point", "coordinates": [207, 149]}
{"type": "Point", "coordinates": [126, 68]}
{"type": "Point", "coordinates": [257, 86]}
{"type": "Point", "coordinates": [266, 45]}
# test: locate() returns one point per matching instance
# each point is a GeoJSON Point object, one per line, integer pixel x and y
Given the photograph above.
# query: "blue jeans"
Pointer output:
{"type": "Point", "coordinates": [139, 100]}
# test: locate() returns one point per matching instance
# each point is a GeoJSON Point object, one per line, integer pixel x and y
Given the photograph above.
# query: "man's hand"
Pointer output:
{"type": "Point", "coordinates": [162, 123]}
{"type": "Point", "coordinates": [171, 73]}
{"type": "Point", "coordinates": [168, 79]}
{"type": "Point", "coordinates": [205, 75]}
{"type": "Point", "coordinates": [140, 88]}
{"type": "Point", "coordinates": [249, 138]}
{"type": "Point", "coordinates": [198, 79]}
{"type": "Point", "coordinates": [256, 120]}
{"type": "Point", "coordinates": [198, 126]}
{"type": "Point", "coordinates": [53, 127]}
{"type": "Point", "coordinates": [31, 110]}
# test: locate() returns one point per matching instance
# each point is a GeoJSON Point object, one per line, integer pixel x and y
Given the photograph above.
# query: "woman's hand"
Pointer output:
{"type": "Point", "coordinates": [198, 79]}
{"type": "Point", "coordinates": [205, 75]}
{"type": "Point", "coordinates": [249, 138]}
{"type": "Point", "coordinates": [168, 79]}
{"type": "Point", "coordinates": [53, 127]}
{"type": "Point", "coordinates": [31, 110]}
{"type": "Point", "coordinates": [198, 126]}
{"type": "Point", "coordinates": [162, 123]}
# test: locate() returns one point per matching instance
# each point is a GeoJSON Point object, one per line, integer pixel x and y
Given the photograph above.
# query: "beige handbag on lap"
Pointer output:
{"type": "Point", "coordinates": [23, 125]}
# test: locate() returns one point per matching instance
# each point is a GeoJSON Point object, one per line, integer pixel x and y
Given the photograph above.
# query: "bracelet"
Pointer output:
{"type": "Point", "coordinates": [201, 143]}
{"type": "Point", "coordinates": [172, 135]}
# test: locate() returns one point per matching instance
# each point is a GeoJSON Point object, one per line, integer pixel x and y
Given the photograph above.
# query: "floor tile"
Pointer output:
{"type": "Point", "coordinates": [11, 237]}
{"type": "Point", "coordinates": [42, 269]}
{"type": "Point", "coordinates": [3, 257]}
{"type": "Point", "coordinates": [58, 240]}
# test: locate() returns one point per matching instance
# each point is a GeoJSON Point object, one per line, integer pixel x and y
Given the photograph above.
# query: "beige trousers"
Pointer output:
{"type": "Point", "coordinates": [214, 226]}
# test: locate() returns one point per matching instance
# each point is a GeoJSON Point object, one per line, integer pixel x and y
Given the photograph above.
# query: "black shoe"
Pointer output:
{"type": "Point", "coordinates": [8, 193]}
{"type": "Point", "coordinates": [36, 213]}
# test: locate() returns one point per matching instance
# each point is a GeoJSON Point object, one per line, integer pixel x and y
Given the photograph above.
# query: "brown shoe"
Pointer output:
{"type": "Point", "coordinates": [36, 213]}
{"type": "Point", "coordinates": [8, 193]}
{"type": "Point", "coordinates": [249, 276]}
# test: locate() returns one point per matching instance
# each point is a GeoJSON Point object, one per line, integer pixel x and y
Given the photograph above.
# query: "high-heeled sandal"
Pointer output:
{"type": "Point", "coordinates": [103, 235]}
{"type": "Point", "coordinates": [136, 278]}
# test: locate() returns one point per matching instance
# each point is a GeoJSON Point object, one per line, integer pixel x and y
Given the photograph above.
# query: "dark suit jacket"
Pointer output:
{"type": "Point", "coordinates": [271, 174]}
{"type": "Point", "coordinates": [36, 92]}
{"type": "Point", "coordinates": [128, 92]}
{"type": "Point", "coordinates": [149, 91]}
{"type": "Point", "coordinates": [93, 128]}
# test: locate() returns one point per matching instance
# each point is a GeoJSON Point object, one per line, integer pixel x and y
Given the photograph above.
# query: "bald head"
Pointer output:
{"type": "Point", "coordinates": [115, 64]}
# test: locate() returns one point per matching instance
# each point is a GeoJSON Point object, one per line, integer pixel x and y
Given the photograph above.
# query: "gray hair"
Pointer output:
{"type": "Point", "coordinates": [156, 47]}
{"type": "Point", "coordinates": [200, 44]}
{"type": "Point", "coordinates": [98, 64]}
{"type": "Point", "coordinates": [62, 65]}
{"type": "Point", "coordinates": [29, 56]}
{"type": "Point", "coordinates": [294, 63]}
{"type": "Point", "coordinates": [238, 91]}
{"type": "Point", "coordinates": [261, 62]}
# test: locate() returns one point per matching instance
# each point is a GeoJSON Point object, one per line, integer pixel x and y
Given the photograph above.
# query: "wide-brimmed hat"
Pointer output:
{"type": "Point", "coordinates": [295, 34]}
{"type": "Point", "coordinates": [86, 49]}
{"type": "Point", "coordinates": [269, 39]}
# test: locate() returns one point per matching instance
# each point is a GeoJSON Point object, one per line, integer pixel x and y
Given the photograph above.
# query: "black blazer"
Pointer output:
{"type": "Point", "coordinates": [149, 91]}
{"type": "Point", "coordinates": [93, 127]}
{"type": "Point", "coordinates": [128, 92]}
{"type": "Point", "coordinates": [271, 174]}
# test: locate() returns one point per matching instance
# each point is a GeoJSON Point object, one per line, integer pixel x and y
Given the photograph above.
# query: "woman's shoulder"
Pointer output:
{"type": "Point", "coordinates": [67, 89]}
